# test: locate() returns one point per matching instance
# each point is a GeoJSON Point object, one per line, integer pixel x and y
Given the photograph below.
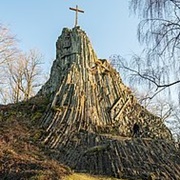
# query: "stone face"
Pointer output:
{"type": "Point", "coordinates": [91, 115]}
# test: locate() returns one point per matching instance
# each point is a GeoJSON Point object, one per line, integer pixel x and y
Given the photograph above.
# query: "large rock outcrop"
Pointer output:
{"type": "Point", "coordinates": [91, 115]}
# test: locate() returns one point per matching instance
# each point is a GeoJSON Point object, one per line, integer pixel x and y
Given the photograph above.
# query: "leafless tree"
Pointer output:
{"type": "Point", "coordinates": [23, 75]}
{"type": "Point", "coordinates": [20, 73]}
{"type": "Point", "coordinates": [8, 48]}
{"type": "Point", "coordinates": [158, 76]}
{"type": "Point", "coordinates": [7, 44]}
{"type": "Point", "coordinates": [164, 108]}
{"type": "Point", "coordinates": [32, 73]}
{"type": "Point", "coordinates": [159, 30]}
{"type": "Point", "coordinates": [160, 24]}
{"type": "Point", "coordinates": [157, 69]}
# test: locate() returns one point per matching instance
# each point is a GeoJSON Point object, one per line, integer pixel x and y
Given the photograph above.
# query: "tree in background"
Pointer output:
{"type": "Point", "coordinates": [20, 72]}
{"type": "Point", "coordinates": [160, 24]}
{"type": "Point", "coordinates": [157, 69]}
{"type": "Point", "coordinates": [159, 30]}
{"type": "Point", "coordinates": [23, 75]}
{"type": "Point", "coordinates": [7, 45]}
{"type": "Point", "coordinates": [8, 48]}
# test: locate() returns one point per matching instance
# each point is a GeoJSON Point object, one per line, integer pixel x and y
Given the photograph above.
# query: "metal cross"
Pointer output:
{"type": "Point", "coordinates": [77, 10]}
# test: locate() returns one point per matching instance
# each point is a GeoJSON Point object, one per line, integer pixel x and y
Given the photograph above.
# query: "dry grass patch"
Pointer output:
{"type": "Point", "coordinates": [81, 176]}
{"type": "Point", "coordinates": [21, 154]}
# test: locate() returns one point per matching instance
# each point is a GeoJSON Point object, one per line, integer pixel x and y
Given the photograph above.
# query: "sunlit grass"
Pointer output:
{"type": "Point", "coordinates": [81, 176]}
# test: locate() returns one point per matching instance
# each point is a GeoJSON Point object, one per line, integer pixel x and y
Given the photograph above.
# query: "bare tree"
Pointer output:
{"type": "Point", "coordinates": [158, 75]}
{"type": "Point", "coordinates": [158, 66]}
{"type": "Point", "coordinates": [14, 80]}
{"type": "Point", "coordinates": [23, 76]}
{"type": "Point", "coordinates": [159, 30]}
{"type": "Point", "coordinates": [20, 72]}
{"type": "Point", "coordinates": [160, 24]}
{"type": "Point", "coordinates": [7, 44]}
{"type": "Point", "coordinates": [157, 70]}
{"type": "Point", "coordinates": [164, 108]}
{"type": "Point", "coordinates": [32, 73]}
{"type": "Point", "coordinates": [8, 49]}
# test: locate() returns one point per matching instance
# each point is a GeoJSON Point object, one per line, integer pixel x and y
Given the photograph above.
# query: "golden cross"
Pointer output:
{"type": "Point", "coordinates": [77, 10]}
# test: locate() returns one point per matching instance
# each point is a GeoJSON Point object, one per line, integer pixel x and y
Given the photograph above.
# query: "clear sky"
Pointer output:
{"type": "Point", "coordinates": [38, 23]}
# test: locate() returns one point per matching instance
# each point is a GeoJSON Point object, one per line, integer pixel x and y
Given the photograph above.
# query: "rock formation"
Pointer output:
{"type": "Point", "coordinates": [91, 115]}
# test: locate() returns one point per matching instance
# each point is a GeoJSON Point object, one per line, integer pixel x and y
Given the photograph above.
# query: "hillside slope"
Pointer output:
{"type": "Point", "coordinates": [22, 156]}
{"type": "Point", "coordinates": [91, 115]}
{"type": "Point", "coordinates": [84, 117]}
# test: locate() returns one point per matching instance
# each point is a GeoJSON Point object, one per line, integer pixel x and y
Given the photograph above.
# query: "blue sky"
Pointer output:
{"type": "Point", "coordinates": [38, 23]}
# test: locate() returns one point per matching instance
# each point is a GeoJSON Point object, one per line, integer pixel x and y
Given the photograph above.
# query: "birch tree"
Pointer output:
{"type": "Point", "coordinates": [156, 72]}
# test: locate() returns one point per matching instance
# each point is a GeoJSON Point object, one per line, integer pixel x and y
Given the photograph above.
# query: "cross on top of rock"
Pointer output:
{"type": "Point", "coordinates": [76, 17]}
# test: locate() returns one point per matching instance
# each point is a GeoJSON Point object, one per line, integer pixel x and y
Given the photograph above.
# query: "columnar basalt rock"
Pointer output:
{"type": "Point", "coordinates": [87, 91]}
{"type": "Point", "coordinates": [91, 114]}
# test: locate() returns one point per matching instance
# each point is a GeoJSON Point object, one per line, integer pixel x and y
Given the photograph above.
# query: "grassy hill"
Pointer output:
{"type": "Point", "coordinates": [22, 154]}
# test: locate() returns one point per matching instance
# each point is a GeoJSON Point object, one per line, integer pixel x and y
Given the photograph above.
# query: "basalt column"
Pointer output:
{"type": "Point", "coordinates": [91, 114]}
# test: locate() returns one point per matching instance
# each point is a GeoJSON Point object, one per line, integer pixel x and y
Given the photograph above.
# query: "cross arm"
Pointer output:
{"type": "Point", "coordinates": [75, 9]}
